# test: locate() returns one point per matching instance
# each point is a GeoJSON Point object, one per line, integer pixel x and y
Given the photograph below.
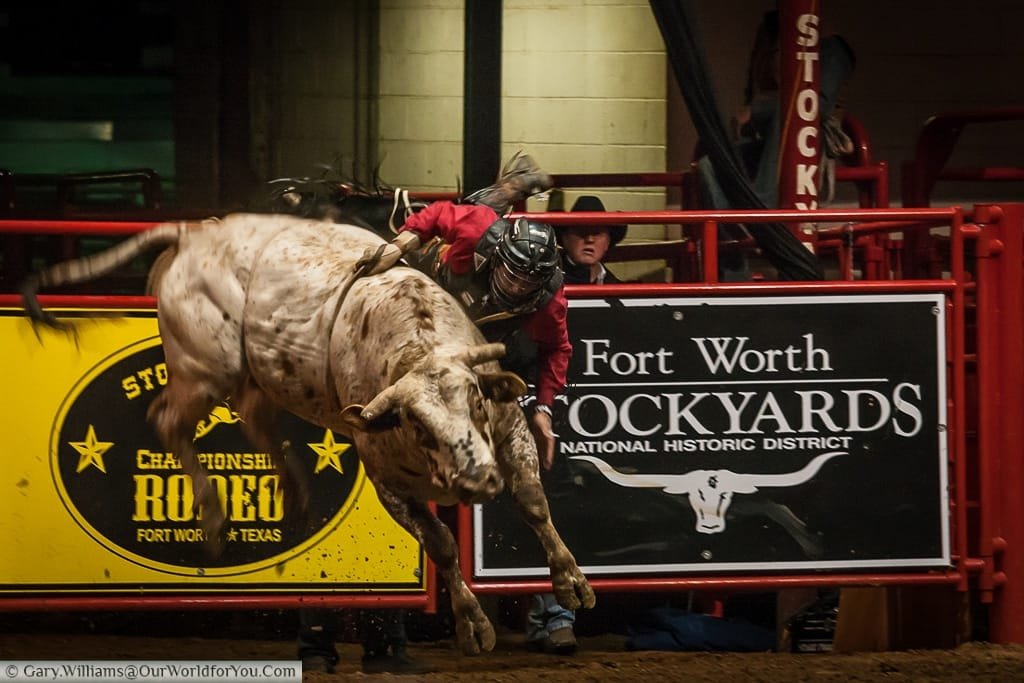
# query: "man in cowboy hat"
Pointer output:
{"type": "Point", "coordinates": [585, 246]}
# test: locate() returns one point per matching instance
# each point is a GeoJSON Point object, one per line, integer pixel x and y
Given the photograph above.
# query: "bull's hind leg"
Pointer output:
{"type": "Point", "coordinates": [258, 414]}
{"type": "Point", "coordinates": [473, 630]}
{"type": "Point", "coordinates": [174, 415]}
{"type": "Point", "coordinates": [200, 311]}
{"type": "Point", "coordinates": [518, 462]}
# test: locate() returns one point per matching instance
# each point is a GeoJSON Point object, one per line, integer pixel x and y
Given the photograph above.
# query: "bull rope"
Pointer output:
{"type": "Point", "coordinates": [362, 268]}
{"type": "Point", "coordinates": [401, 199]}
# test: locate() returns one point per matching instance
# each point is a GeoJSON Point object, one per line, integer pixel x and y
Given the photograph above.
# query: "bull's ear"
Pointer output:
{"type": "Point", "coordinates": [502, 387]}
{"type": "Point", "coordinates": [353, 417]}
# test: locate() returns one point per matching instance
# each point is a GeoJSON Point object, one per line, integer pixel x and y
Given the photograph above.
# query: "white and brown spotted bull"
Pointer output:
{"type": "Point", "coordinates": [264, 310]}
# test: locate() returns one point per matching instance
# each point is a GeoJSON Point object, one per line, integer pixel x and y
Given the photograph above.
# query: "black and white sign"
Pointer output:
{"type": "Point", "coordinates": [746, 434]}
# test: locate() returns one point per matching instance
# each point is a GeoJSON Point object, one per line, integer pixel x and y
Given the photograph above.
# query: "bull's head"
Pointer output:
{"type": "Point", "coordinates": [438, 414]}
{"type": "Point", "coordinates": [710, 491]}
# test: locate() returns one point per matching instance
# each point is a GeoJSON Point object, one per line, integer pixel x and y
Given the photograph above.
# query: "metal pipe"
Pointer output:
{"type": "Point", "coordinates": [1005, 538]}
{"type": "Point", "coordinates": [187, 602]}
{"type": "Point", "coordinates": [746, 582]}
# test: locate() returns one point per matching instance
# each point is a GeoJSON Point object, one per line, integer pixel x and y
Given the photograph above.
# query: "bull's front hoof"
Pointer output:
{"type": "Point", "coordinates": [573, 591]}
{"type": "Point", "coordinates": [475, 634]}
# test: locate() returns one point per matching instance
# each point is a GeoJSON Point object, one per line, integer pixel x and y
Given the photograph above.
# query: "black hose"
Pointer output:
{"type": "Point", "coordinates": [786, 253]}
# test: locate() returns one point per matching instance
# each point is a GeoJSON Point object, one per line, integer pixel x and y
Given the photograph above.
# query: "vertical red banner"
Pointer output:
{"type": "Point", "coordinates": [799, 75]}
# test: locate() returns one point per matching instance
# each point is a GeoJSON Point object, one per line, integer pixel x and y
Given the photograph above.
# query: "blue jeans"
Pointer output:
{"type": "Point", "coordinates": [761, 155]}
{"type": "Point", "coordinates": [545, 616]}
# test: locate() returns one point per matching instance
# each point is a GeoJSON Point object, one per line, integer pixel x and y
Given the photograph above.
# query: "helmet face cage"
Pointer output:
{"type": "Point", "coordinates": [525, 258]}
{"type": "Point", "coordinates": [509, 289]}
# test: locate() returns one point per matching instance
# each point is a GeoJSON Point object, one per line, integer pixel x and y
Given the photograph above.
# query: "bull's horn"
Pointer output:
{"type": "Point", "coordinates": [790, 478]}
{"type": "Point", "coordinates": [481, 353]}
{"type": "Point", "coordinates": [673, 483]}
{"type": "Point", "coordinates": [380, 404]}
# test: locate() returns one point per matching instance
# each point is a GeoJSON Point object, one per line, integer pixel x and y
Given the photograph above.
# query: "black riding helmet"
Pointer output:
{"type": "Point", "coordinates": [525, 258]}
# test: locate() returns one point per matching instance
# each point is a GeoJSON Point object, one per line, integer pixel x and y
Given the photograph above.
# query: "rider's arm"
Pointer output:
{"type": "Point", "coordinates": [458, 225]}
{"type": "Point", "coordinates": [547, 328]}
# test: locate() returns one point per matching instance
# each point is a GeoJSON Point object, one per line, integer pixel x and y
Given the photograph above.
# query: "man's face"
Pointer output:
{"type": "Point", "coordinates": [511, 285]}
{"type": "Point", "coordinates": [586, 245]}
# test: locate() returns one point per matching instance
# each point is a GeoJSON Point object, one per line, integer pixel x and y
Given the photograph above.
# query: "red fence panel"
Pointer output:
{"type": "Point", "coordinates": [983, 288]}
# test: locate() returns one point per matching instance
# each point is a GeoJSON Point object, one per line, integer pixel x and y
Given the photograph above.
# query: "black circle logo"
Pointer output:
{"type": "Point", "coordinates": [132, 497]}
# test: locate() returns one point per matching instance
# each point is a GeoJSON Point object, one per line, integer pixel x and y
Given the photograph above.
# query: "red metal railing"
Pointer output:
{"type": "Point", "coordinates": [877, 250]}
{"type": "Point", "coordinates": [984, 289]}
{"type": "Point", "coordinates": [935, 144]}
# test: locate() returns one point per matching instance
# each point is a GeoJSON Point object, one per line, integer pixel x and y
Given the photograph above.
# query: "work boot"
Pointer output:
{"type": "Point", "coordinates": [520, 178]}
{"type": "Point", "coordinates": [318, 663]}
{"type": "Point", "coordinates": [561, 641]}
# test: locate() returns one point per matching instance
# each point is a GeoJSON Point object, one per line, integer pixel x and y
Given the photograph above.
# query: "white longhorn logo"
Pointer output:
{"type": "Point", "coordinates": [710, 491]}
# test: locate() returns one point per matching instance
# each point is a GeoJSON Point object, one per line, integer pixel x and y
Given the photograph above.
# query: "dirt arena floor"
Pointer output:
{"type": "Point", "coordinates": [600, 658]}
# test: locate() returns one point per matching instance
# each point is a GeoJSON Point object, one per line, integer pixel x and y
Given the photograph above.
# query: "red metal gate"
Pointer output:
{"type": "Point", "coordinates": [984, 288]}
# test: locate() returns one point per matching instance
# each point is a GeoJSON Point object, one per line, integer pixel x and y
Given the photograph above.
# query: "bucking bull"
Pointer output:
{"type": "Point", "coordinates": [267, 311]}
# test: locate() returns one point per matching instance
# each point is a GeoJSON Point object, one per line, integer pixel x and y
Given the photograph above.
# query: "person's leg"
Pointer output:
{"type": "Point", "coordinates": [372, 634]}
{"type": "Point", "coordinates": [550, 626]}
{"type": "Point", "coordinates": [316, 639]}
{"type": "Point", "coordinates": [380, 629]}
{"type": "Point", "coordinates": [837, 63]}
{"type": "Point", "coordinates": [765, 181]}
{"type": "Point", "coordinates": [558, 617]}
{"type": "Point", "coordinates": [394, 629]}
{"type": "Point", "coordinates": [536, 620]}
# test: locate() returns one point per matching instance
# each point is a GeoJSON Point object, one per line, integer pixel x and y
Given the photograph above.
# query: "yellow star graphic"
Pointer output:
{"type": "Point", "coordinates": [328, 453]}
{"type": "Point", "coordinates": [232, 535]}
{"type": "Point", "coordinates": [90, 451]}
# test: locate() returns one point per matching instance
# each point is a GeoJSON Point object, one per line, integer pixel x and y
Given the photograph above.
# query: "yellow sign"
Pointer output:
{"type": "Point", "coordinates": [95, 502]}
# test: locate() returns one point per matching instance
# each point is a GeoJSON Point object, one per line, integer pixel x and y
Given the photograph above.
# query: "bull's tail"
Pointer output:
{"type": "Point", "coordinates": [92, 267]}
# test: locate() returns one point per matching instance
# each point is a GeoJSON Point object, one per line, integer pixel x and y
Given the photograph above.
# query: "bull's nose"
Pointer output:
{"type": "Point", "coordinates": [480, 485]}
{"type": "Point", "coordinates": [493, 484]}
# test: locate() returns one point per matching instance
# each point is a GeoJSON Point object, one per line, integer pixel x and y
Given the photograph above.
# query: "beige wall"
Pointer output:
{"type": "Point", "coordinates": [316, 86]}
{"type": "Point", "coordinates": [420, 105]}
{"type": "Point", "coordinates": [583, 90]}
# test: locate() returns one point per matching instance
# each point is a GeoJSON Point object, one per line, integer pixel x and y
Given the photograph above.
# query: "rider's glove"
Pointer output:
{"type": "Point", "coordinates": [379, 259]}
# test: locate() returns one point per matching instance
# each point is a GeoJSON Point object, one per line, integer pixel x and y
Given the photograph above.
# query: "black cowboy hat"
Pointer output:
{"type": "Point", "coordinates": [589, 202]}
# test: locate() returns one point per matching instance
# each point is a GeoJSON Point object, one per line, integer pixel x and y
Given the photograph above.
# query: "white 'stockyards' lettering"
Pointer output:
{"type": "Point", "coordinates": [750, 412]}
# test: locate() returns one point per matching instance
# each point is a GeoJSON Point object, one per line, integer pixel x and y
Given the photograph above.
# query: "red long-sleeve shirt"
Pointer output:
{"type": "Point", "coordinates": [461, 226]}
